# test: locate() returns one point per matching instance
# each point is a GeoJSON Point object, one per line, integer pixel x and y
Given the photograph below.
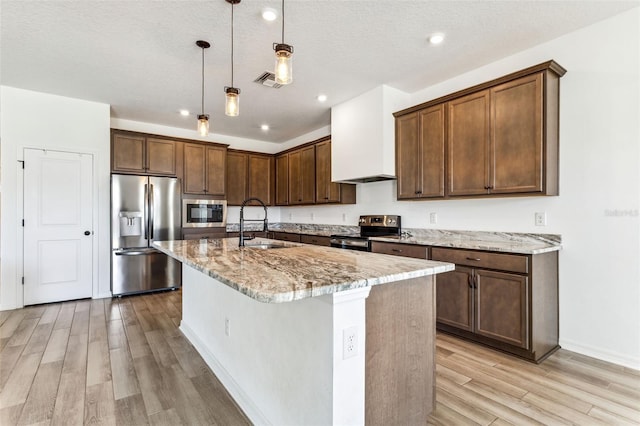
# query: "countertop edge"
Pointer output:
{"type": "Point", "coordinates": [267, 297]}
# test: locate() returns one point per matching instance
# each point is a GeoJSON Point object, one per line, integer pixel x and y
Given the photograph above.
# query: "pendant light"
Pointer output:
{"type": "Point", "coordinates": [283, 58]}
{"type": "Point", "coordinates": [203, 119]}
{"type": "Point", "coordinates": [232, 104]}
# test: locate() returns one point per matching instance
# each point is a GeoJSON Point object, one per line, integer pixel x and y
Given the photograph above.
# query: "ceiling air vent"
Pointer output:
{"type": "Point", "coordinates": [268, 79]}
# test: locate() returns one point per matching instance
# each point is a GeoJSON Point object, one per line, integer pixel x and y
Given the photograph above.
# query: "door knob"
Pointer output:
{"type": "Point", "coordinates": [87, 232]}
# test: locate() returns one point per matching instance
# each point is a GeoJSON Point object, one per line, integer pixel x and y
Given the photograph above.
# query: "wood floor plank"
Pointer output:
{"type": "Point", "coordinates": [192, 364]}
{"type": "Point", "coordinates": [23, 333]}
{"type": "Point", "coordinates": [56, 346]}
{"type": "Point", "coordinates": [42, 395]}
{"type": "Point", "coordinates": [80, 323]}
{"type": "Point", "coordinates": [50, 314]}
{"type": "Point", "coordinates": [222, 409]}
{"type": "Point", "coordinates": [442, 415]}
{"type": "Point", "coordinates": [16, 389]}
{"type": "Point", "coordinates": [186, 399]}
{"type": "Point", "coordinates": [3, 316]}
{"type": "Point", "coordinates": [125, 382]}
{"type": "Point", "coordinates": [39, 338]}
{"type": "Point", "coordinates": [83, 305]}
{"type": "Point", "coordinates": [452, 375]}
{"type": "Point", "coordinates": [98, 326]}
{"type": "Point", "coordinates": [98, 363]}
{"type": "Point", "coordinates": [116, 335]}
{"type": "Point", "coordinates": [10, 415]}
{"type": "Point", "coordinates": [8, 359]}
{"type": "Point", "coordinates": [112, 309]}
{"type": "Point", "coordinates": [99, 405]}
{"type": "Point", "coordinates": [65, 317]}
{"type": "Point", "coordinates": [160, 348]}
{"type": "Point", "coordinates": [166, 418]}
{"type": "Point", "coordinates": [70, 399]}
{"type": "Point", "coordinates": [460, 406]}
{"type": "Point", "coordinates": [10, 325]}
{"type": "Point", "coordinates": [567, 413]}
{"type": "Point", "coordinates": [137, 341]}
{"type": "Point", "coordinates": [75, 357]}
{"type": "Point", "coordinates": [155, 393]}
{"type": "Point", "coordinates": [611, 418]}
{"type": "Point", "coordinates": [131, 411]}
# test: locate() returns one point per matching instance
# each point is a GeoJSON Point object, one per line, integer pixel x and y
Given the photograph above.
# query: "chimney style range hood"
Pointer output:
{"type": "Point", "coordinates": [363, 136]}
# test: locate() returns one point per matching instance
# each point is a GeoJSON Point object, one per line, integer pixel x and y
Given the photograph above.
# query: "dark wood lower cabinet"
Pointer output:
{"type": "Point", "coordinates": [506, 301]}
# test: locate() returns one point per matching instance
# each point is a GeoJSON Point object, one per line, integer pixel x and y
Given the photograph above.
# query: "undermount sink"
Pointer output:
{"type": "Point", "coordinates": [265, 246]}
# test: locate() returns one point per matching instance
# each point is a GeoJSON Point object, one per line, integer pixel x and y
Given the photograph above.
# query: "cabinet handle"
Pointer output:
{"type": "Point", "coordinates": [418, 192]}
{"type": "Point", "coordinates": [470, 280]}
{"type": "Point", "coordinates": [396, 250]}
{"type": "Point", "coordinates": [475, 259]}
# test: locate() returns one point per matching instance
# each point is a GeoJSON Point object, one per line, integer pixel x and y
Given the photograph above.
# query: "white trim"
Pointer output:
{"type": "Point", "coordinates": [102, 296]}
{"type": "Point", "coordinates": [603, 355]}
{"type": "Point", "coordinates": [241, 398]}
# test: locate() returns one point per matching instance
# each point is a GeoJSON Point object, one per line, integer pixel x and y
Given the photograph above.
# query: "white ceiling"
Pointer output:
{"type": "Point", "coordinates": [140, 56]}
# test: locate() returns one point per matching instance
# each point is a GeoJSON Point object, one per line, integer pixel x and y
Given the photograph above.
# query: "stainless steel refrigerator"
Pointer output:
{"type": "Point", "coordinates": [143, 209]}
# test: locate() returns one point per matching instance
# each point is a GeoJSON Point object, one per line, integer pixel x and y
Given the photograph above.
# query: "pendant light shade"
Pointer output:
{"type": "Point", "coordinates": [203, 119]}
{"type": "Point", "coordinates": [232, 103]}
{"type": "Point", "coordinates": [284, 52]}
{"type": "Point", "coordinates": [232, 94]}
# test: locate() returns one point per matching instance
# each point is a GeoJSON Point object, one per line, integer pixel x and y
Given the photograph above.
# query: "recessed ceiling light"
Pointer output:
{"type": "Point", "coordinates": [184, 112]}
{"type": "Point", "coordinates": [265, 127]}
{"type": "Point", "coordinates": [321, 98]}
{"type": "Point", "coordinates": [436, 38]}
{"type": "Point", "coordinates": [269, 14]}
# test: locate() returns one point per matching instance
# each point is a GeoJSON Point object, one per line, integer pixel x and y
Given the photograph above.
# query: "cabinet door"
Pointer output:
{"type": "Point", "coordinates": [261, 178]}
{"type": "Point", "coordinates": [308, 175]}
{"type": "Point", "coordinates": [516, 136]}
{"type": "Point", "coordinates": [216, 171]}
{"type": "Point", "coordinates": [194, 169]}
{"type": "Point", "coordinates": [454, 298]}
{"type": "Point", "coordinates": [161, 157]}
{"type": "Point", "coordinates": [468, 148]}
{"type": "Point", "coordinates": [282, 180]}
{"type": "Point", "coordinates": [128, 153]}
{"type": "Point", "coordinates": [236, 178]}
{"type": "Point", "coordinates": [408, 166]}
{"type": "Point", "coordinates": [431, 152]}
{"type": "Point", "coordinates": [502, 307]}
{"type": "Point", "coordinates": [295, 178]}
{"type": "Point", "coordinates": [326, 191]}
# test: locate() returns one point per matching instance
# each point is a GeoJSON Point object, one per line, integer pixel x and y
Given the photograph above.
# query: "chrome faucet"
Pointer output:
{"type": "Point", "coordinates": [242, 219]}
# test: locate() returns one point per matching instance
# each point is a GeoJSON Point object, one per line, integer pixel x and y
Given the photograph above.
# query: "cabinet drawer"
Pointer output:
{"type": "Point", "coordinates": [481, 259]}
{"type": "Point", "coordinates": [406, 250]}
{"type": "Point", "coordinates": [315, 239]}
{"type": "Point", "coordinates": [199, 234]}
{"type": "Point", "coordinates": [286, 236]}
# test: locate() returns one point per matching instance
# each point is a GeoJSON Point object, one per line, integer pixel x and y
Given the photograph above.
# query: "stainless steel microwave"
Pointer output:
{"type": "Point", "coordinates": [204, 213]}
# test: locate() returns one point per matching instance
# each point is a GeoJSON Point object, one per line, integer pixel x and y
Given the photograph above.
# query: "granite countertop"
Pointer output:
{"type": "Point", "coordinates": [296, 271]}
{"type": "Point", "coordinates": [507, 242]}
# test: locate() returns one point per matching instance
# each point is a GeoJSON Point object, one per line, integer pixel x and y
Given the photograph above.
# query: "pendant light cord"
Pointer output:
{"type": "Point", "coordinates": [232, 5]}
{"type": "Point", "coordinates": [202, 80]}
{"type": "Point", "coordinates": [282, 21]}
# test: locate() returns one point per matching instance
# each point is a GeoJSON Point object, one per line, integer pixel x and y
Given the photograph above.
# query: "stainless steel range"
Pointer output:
{"type": "Point", "coordinates": [370, 226]}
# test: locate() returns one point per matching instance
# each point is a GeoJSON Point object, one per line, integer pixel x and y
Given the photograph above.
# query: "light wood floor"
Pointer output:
{"type": "Point", "coordinates": [123, 361]}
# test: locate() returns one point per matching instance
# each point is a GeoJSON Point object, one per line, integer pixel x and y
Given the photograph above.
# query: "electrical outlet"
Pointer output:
{"type": "Point", "coordinates": [541, 219]}
{"type": "Point", "coordinates": [433, 218]}
{"type": "Point", "coordinates": [227, 327]}
{"type": "Point", "coordinates": [349, 342]}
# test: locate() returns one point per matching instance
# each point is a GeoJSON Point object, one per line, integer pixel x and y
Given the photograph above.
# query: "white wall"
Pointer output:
{"type": "Point", "coordinates": [37, 120]}
{"type": "Point", "coordinates": [597, 210]}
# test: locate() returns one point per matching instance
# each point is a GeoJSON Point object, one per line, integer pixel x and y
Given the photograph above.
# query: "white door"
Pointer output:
{"type": "Point", "coordinates": [58, 232]}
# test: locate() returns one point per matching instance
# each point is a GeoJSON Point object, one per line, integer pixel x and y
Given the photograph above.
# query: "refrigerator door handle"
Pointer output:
{"type": "Point", "coordinates": [152, 211]}
{"type": "Point", "coordinates": [146, 213]}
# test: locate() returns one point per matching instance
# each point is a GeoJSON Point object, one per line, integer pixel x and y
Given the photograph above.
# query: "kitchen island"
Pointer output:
{"type": "Point", "coordinates": [301, 334]}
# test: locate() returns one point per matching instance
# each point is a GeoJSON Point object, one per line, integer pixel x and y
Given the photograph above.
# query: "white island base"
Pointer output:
{"type": "Point", "coordinates": [285, 364]}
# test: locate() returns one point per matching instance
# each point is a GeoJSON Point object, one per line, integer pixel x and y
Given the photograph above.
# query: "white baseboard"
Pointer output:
{"type": "Point", "coordinates": [240, 397]}
{"type": "Point", "coordinates": [604, 355]}
{"type": "Point", "coordinates": [102, 295]}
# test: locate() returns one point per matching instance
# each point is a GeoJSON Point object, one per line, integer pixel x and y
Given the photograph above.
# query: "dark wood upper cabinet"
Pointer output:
{"type": "Point", "coordinates": [261, 177]}
{"type": "Point", "coordinates": [282, 180]}
{"type": "Point", "coordinates": [516, 154]}
{"type": "Point", "coordinates": [501, 139]}
{"type": "Point", "coordinates": [133, 153]}
{"type": "Point", "coordinates": [420, 141]}
{"type": "Point", "coordinates": [249, 175]}
{"type": "Point", "coordinates": [468, 144]}
{"type": "Point", "coordinates": [302, 176]}
{"type": "Point", "coordinates": [237, 171]}
{"type": "Point", "coordinates": [326, 190]}
{"type": "Point", "coordinates": [204, 169]}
